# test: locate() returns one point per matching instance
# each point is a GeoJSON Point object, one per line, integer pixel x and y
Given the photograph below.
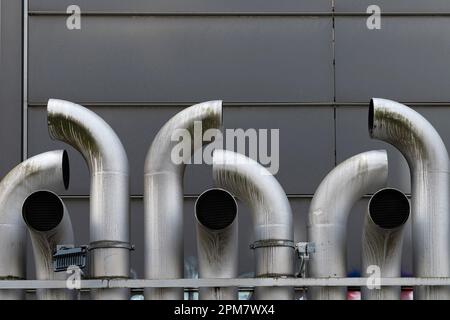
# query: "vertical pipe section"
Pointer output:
{"type": "Point", "coordinates": [109, 202]}
{"type": "Point", "coordinates": [382, 241]}
{"type": "Point", "coordinates": [217, 241]}
{"type": "Point", "coordinates": [328, 215]}
{"type": "Point", "coordinates": [427, 158]}
{"type": "Point", "coordinates": [49, 170]}
{"type": "Point", "coordinates": [163, 195]}
{"type": "Point", "coordinates": [271, 215]}
{"type": "Point", "coordinates": [49, 225]}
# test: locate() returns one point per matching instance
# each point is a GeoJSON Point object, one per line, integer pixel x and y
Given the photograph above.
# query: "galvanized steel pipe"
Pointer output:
{"type": "Point", "coordinates": [328, 215]}
{"type": "Point", "coordinates": [271, 214]}
{"type": "Point", "coordinates": [382, 242]}
{"type": "Point", "coordinates": [109, 201]}
{"type": "Point", "coordinates": [427, 158]}
{"type": "Point", "coordinates": [217, 241]}
{"type": "Point", "coordinates": [163, 197]}
{"type": "Point", "coordinates": [49, 226]}
{"type": "Point", "coordinates": [49, 170]}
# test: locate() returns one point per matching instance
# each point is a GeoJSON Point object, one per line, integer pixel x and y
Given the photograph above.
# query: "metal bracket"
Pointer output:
{"type": "Point", "coordinates": [303, 250]}
{"type": "Point", "coordinates": [110, 244]}
{"type": "Point", "coordinates": [68, 256]}
{"type": "Point", "coordinates": [272, 243]}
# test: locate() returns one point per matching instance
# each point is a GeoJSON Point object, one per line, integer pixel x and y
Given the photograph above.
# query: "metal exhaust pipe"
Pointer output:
{"type": "Point", "coordinates": [382, 241]}
{"type": "Point", "coordinates": [49, 225]}
{"type": "Point", "coordinates": [328, 215]}
{"type": "Point", "coordinates": [217, 241]}
{"type": "Point", "coordinates": [163, 198]}
{"type": "Point", "coordinates": [49, 170]}
{"type": "Point", "coordinates": [109, 200]}
{"type": "Point", "coordinates": [271, 215]}
{"type": "Point", "coordinates": [427, 158]}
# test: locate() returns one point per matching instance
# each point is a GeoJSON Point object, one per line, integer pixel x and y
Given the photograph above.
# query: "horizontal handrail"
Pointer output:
{"type": "Point", "coordinates": [237, 282]}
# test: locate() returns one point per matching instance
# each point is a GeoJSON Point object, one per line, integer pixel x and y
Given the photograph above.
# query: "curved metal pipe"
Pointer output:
{"type": "Point", "coordinates": [217, 241]}
{"type": "Point", "coordinates": [49, 225]}
{"type": "Point", "coordinates": [271, 215]}
{"type": "Point", "coordinates": [329, 211]}
{"type": "Point", "coordinates": [109, 203]}
{"type": "Point", "coordinates": [163, 197]}
{"type": "Point", "coordinates": [49, 170]}
{"type": "Point", "coordinates": [427, 158]}
{"type": "Point", "coordinates": [382, 241]}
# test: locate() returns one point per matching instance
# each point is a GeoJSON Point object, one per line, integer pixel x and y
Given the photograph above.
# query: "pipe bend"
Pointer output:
{"type": "Point", "coordinates": [109, 193]}
{"type": "Point", "coordinates": [329, 211]}
{"type": "Point", "coordinates": [271, 214]}
{"type": "Point", "coordinates": [427, 158]}
{"type": "Point", "coordinates": [163, 194]}
{"type": "Point", "coordinates": [48, 229]}
{"type": "Point", "coordinates": [259, 189]}
{"type": "Point", "coordinates": [382, 240]}
{"type": "Point", "coordinates": [50, 171]}
{"type": "Point", "coordinates": [89, 134]}
{"type": "Point", "coordinates": [408, 131]}
{"type": "Point", "coordinates": [217, 241]}
{"type": "Point", "coordinates": [158, 160]}
{"type": "Point", "coordinates": [345, 184]}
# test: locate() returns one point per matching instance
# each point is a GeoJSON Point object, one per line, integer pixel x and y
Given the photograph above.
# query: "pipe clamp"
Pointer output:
{"type": "Point", "coordinates": [272, 243]}
{"type": "Point", "coordinates": [304, 250]}
{"type": "Point", "coordinates": [105, 244]}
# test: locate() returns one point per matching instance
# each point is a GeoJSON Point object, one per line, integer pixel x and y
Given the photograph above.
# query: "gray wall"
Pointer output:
{"type": "Point", "coordinates": [298, 65]}
{"type": "Point", "coordinates": [10, 84]}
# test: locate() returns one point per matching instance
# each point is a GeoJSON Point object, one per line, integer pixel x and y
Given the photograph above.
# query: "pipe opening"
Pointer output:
{"type": "Point", "coordinates": [43, 210]}
{"type": "Point", "coordinates": [65, 169]}
{"type": "Point", "coordinates": [389, 208]}
{"type": "Point", "coordinates": [371, 111]}
{"type": "Point", "coordinates": [216, 209]}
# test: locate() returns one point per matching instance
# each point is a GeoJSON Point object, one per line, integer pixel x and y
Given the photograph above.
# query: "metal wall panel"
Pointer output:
{"type": "Point", "coordinates": [186, 5]}
{"type": "Point", "coordinates": [299, 173]}
{"type": "Point", "coordinates": [403, 6]}
{"type": "Point", "coordinates": [166, 59]}
{"type": "Point", "coordinates": [10, 84]}
{"type": "Point", "coordinates": [407, 59]}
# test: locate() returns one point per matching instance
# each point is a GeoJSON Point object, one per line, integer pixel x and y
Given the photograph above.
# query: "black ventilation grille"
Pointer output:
{"type": "Point", "coordinates": [43, 210]}
{"type": "Point", "coordinates": [67, 257]}
{"type": "Point", "coordinates": [216, 209]}
{"type": "Point", "coordinates": [389, 208]}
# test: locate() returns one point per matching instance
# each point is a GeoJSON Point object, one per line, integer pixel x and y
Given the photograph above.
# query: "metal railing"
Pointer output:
{"type": "Point", "coordinates": [236, 282]}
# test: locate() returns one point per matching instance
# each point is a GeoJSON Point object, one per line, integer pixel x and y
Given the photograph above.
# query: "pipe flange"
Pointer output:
{"type": "Point", "coordinates": [272, 243]}
{"type": "Point", "coordinates": [104, 244]}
